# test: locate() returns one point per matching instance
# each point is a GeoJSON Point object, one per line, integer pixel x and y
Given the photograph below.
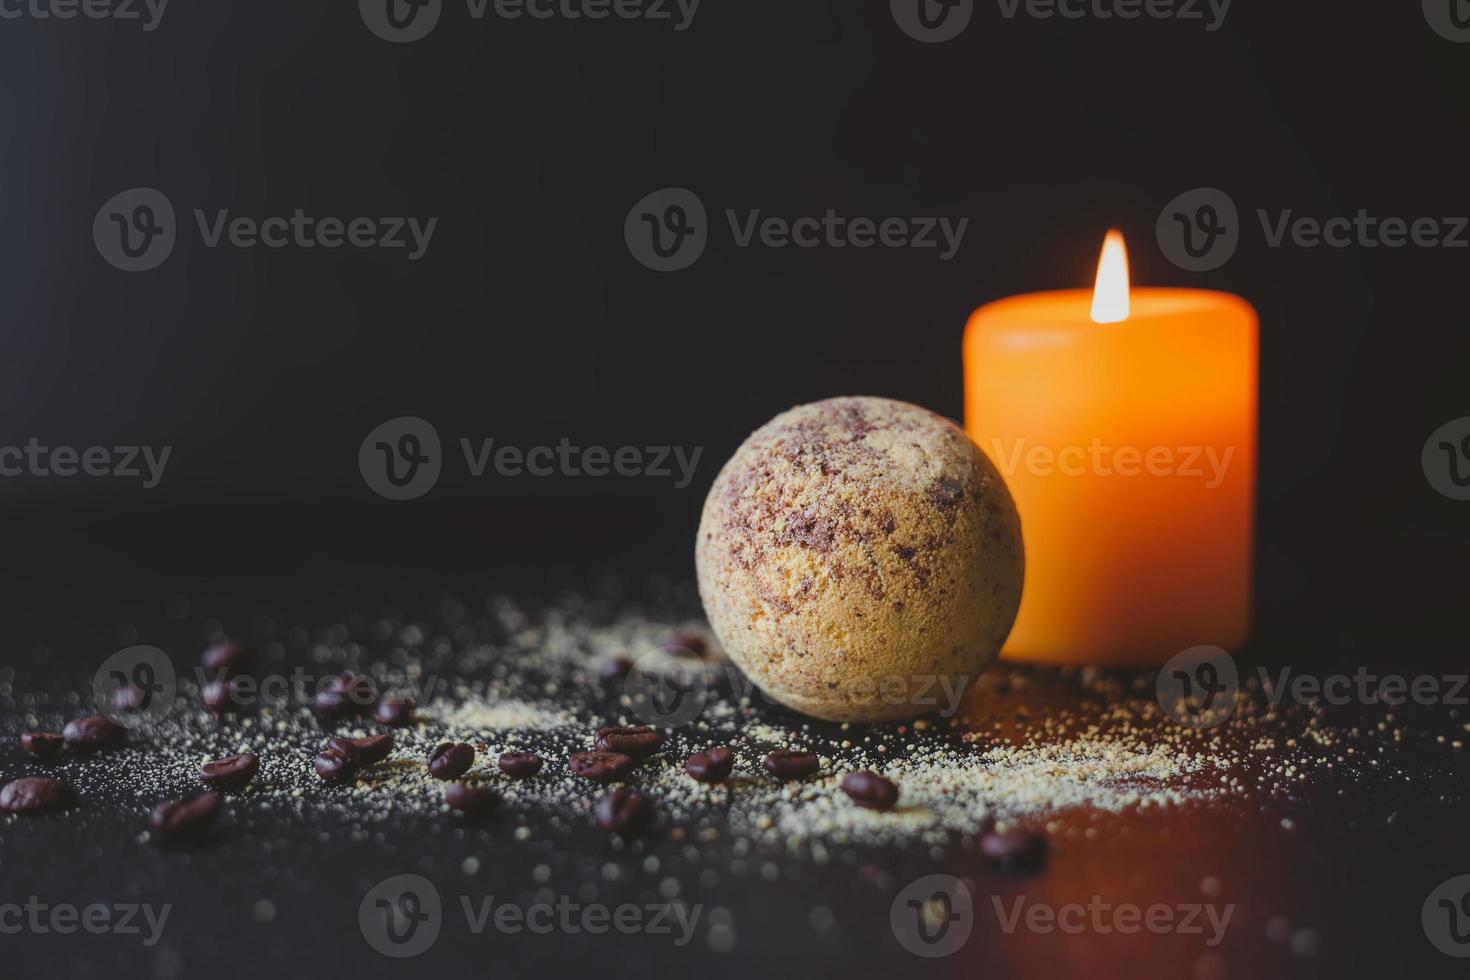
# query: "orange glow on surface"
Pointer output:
{"type": "Point", "coordinates": [1110, 293]}
{"type": "Point", "coordinates": [1131, 455]}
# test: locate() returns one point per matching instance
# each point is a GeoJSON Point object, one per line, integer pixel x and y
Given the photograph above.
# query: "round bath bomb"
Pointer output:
{"type": "Point", "coordinates": [860, 559]}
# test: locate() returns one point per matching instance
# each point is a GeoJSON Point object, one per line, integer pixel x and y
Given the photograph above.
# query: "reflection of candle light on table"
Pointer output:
{"type": "Point", "coordinates": [1125, 424]}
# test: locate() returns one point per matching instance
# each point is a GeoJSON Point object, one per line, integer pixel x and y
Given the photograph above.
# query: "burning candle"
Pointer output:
{"type": "Point", "coordinates": [1124, 421]}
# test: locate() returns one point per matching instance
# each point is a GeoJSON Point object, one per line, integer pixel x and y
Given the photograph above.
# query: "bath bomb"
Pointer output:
{"type": "Point", "coordinates": [860, 559]}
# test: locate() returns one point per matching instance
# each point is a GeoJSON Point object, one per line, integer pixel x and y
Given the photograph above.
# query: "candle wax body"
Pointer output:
{"type": "Point", "coordinates": [1130, 450]}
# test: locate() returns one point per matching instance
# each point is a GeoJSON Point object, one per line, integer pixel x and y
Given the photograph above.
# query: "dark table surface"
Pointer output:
{"type": "Point", "coordinates": [1325, 870]}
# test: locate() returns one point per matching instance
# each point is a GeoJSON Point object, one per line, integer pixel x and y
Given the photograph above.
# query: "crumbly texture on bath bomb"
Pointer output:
{"type": "Point", "coordinates": [860, 559]}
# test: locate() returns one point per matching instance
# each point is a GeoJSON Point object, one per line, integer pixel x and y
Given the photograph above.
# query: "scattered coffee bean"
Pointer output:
{"type": "Point", "coordinates": [520, 765]}
{"type": "Point", "coordinates": [690, 643]}
{"type": "Point", "coordinates": [791, 765]}
{"type": "Point", "coordinates": [870, 790]}
{"type": "Point", "coordinates": [373, 749]}
{"type": "Point", "coordinates": [395, 712]}
{"type": "Point", "coordinates": [471, 798]}
{"type": "Point", "coordinates": [1014, 850]}
{"type": "Point", "coordinates": [625, 812]}
{"type": "Point", "coordinates": [94, 734]}
{"type": "Point", "coordinates": [600, 767]}
{"type": "Point", "coordinates": [450, 760]}
{"type": "Point", "coordinates": [226, 659]}
{"type": "Point", "coordinates": [36, 794]}
{"type": "Point", "coordinates": [129, 698]}
{"type": "Point", "coordinates": [616, 669]}
{"type": "Point", "coordinates": [711, 767]}
{"type": "Point", "coordinates": [42, 745]}
{"type": "Point", "coordinates": [230, 773]}
{"type": "Point", "coordinates": [338, 762]}
{"type": "Point", "coordinates": [185, 819]}
{"type": "Point", "coordinates": [345, 696]}
{"type": "Point", "coordinates": [637, 742]}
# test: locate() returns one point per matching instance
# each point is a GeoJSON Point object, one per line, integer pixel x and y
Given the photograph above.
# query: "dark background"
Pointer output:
{"type": "Point", "coordinates": [528, 320]}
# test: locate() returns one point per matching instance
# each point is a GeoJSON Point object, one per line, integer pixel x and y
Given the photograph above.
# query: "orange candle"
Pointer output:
{"type": "Point", "coordinates": [1124, 421]}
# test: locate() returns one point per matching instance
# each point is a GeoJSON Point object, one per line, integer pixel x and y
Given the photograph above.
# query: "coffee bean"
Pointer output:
{"type": "Point", "coordinates": [471, 798]}
{"type": "Point", "coordinates": [450, 760]}
{"type": "Point", "coordinates": [129, 698]}
{"type": "Point", "coordinates": [1014, 850]}
{"type": "Point", "coordinates": [223, 696]}
{"type": "Point", "coordinates": [338, 762]}
{"type": "Point", "coordinates": [395, 712]}
{"type": "Point", "coordinates": [690, 643]}
{"type": "Point", "coordinates": [637, 742]}
{"type": "Point", "coordinates": [94, 734]}
{"type": "Point", "coordinates": [625, 812]}
{"type": "Point", "coordinates": [791, 765]}
{"type": "Point", "coordinates": [615, 669]}
{"type": "Point", "coordinates": [185, 819]}
{"type": "Point", "coordinates": [711, 767]}
{"type": "Point", "coordinates": [36, 794]}
{"type": "Point", "coordinates": [345, 696]}
{"type": "Point", "coordinates": [230, 773]}
{"type": "Point", "coordinates": [600, 767]}
{"type": "Point", "coordinates": [226, 659]}
{"type": "Point", "coordinates": [870, 790]}
{"type": "Point", "coordinates": [520, 765]}
{"type": "Point", "coordinates": [373, 749]}
{"type": "Point", "coordinates": [42, 745]}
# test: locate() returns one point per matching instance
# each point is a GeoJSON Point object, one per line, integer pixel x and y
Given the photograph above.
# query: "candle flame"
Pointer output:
{"type": "Point", "coordinates": [1110, 295]}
